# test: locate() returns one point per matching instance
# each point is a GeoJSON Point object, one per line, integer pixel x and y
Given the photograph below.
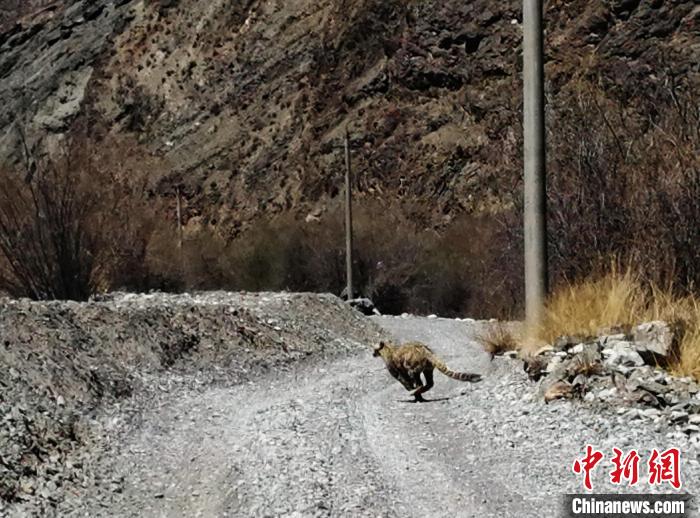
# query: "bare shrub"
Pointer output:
{"type": "Point", "coordinates": [70, 227]}
{"type": "Point", "coordinates": [271, 255]}
{"type": "Point", "coordinates": [401, 266]}
{"type": "Point", "coordinates": [625, 183]}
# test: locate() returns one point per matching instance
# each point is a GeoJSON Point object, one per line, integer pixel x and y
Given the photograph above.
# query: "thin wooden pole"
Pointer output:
{"type": "Point", "coordinates": [348, 218]}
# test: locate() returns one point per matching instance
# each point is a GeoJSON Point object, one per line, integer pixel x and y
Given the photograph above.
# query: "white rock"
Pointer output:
{"type": "Point", "coordinates": [655, 337]}
{"type": "Point", "coordinates": [650, 412]}
{"type": "Point", "coordinates": [678, 415]}
{"type": "Point", "coordinates": [622, 353]}
{"type": "Point", "coordinates": [607, 393]}
{"type": "Point", "coordinates": [634, 413]}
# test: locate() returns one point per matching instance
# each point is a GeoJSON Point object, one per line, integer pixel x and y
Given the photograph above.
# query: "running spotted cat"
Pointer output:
{"type": "Point", "coordinates": [407, 362]}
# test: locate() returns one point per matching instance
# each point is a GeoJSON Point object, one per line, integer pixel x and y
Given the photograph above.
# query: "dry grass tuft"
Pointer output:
{"type": "Point", "coordinates": [623, 299]}
{"type": "Point", "coordinates": [616, 299]}
{"type": "Point", "coordinates": [586, 367]}
{"type": "Point", "coordinates": [499, 339]}
{"type": "Point", "coordinates": [688, 361]}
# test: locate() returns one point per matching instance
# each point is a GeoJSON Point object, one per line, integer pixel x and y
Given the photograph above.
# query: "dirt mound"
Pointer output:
{"type": "Point", "coordinates": [68, 361]}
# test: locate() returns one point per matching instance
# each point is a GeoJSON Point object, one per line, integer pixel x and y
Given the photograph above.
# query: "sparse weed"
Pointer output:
{"type": "Point", "coordinates": [499, 339]}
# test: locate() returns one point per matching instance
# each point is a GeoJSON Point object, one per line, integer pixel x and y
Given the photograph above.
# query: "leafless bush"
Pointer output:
{"type": "Point", "coordinates": [625, 183]}
{"type": "Point", "coordinates": [70, 226]}
{"type": "Point", "coordinates": [399, 265]}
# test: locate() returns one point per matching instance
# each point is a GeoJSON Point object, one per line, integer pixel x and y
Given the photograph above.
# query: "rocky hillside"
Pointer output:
{"type": "Point", "coordinates": [245, 102]}
{"type": "Point", "coordinates": [11, 10]}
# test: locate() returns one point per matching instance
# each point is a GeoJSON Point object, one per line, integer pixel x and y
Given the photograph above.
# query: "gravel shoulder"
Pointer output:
{"type": "Point", "coordinates": [339, 437]}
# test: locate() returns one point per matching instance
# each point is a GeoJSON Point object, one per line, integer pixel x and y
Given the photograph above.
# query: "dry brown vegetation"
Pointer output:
{"type": "Point", "coordinates": [499, 339]}
{"type": "Point", "coordinates": [625, 190]}
{"type": "Point", "coordinates": [401, 266]}
{"type": "Point", "coordinates": [624, 182]}
{"type": "Point", "coordinates": [71, 226]}
{"type": "Point", "coordinates": [622, 298]}
{"type": "Point", "coordinates": [81, 223]}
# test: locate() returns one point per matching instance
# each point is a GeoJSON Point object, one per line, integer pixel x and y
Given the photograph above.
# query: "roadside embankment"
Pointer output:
{"type": "Point", "coordinates": [64, 363]}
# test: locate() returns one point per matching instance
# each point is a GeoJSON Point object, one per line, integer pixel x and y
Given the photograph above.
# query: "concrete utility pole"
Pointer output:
{"type": "Point", "coordinates": [348, 217]}
{"type": "Point", "coordinates": [535, 188]}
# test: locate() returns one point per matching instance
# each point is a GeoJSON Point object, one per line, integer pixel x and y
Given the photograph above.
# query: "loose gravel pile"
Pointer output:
{"type": "Point", "coordinates": [73, 373]}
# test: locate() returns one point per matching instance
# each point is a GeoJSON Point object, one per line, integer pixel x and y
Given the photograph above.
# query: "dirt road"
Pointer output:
{"type": "Point", "coordinates": [342, 438]}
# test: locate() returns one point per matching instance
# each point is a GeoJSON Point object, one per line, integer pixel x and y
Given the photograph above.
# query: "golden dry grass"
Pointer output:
{"type": "Point", "coordinates": [616, 299]}
{"type": "Point", "coordinates": [499, 339]}
{"type": "Point", "coordinates": [621, 299]}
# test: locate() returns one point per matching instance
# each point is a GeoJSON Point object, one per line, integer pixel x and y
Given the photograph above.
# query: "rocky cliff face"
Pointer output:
{"type": "Point", "coordinates": [12, 10]}
{"type": "Point", "coordinates": [246, 102]}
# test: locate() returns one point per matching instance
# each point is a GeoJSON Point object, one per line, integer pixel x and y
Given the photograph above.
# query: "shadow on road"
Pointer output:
{"type": "Point", "coordinates": [426, 400]}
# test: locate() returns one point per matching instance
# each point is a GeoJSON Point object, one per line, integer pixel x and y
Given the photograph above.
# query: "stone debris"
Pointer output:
{"type": "Point", "coordinates": [622, 370]}
{"type": "Point", "coordinates": [365, 306]}
{"type": "Point", "coordinates": [653, 337]}
{"type": "Point", "coordinates": [558, 390]}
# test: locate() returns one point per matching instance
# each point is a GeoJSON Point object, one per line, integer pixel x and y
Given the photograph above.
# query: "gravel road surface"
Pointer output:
{"type": "Point", "coordinates": [342, 438]}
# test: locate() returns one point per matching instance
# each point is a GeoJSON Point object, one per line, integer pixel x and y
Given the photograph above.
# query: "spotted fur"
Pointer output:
{"type": "Point", "coordinates": [407, 362]}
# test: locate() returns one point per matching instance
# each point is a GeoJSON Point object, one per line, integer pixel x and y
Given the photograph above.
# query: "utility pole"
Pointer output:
{"type": "Point", "coordinates": [348, 217]}
{"type": "Point", "coordinates": [179, 218]}
{"type": "Point", "coordinates": [535, 188]}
